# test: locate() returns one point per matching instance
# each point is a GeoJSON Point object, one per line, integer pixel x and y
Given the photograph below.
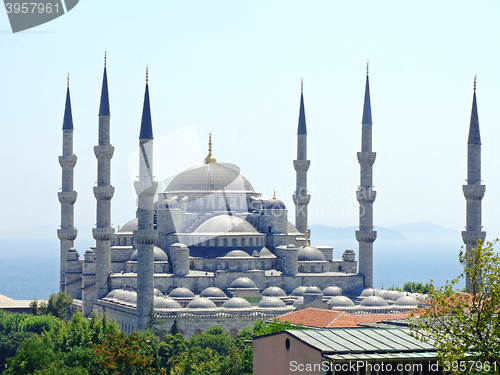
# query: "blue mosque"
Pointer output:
{"type": "Point", "coordinates": [209, 249]}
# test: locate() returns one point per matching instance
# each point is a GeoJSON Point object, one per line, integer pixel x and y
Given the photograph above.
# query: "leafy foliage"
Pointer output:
{"type": "Point", "coordinates": [56, 305]}
{"type": "Point", "coordinates": [466, 325]}
{"type": "Point", "coordinates": [416, 287]}
{"type": "Point", "coordinates": [262, 328]}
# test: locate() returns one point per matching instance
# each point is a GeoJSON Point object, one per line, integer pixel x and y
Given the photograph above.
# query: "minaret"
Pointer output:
{"type": "Point", "coordinates": [145, 236]}
{"type": "Point", "coordinates": [473, 191]}
{"type": "Point", "coordinates": [301, 198]}
{"type": "Point", "coordinates": [365, 194]}
{"type": "Point", "coordinates": [67, 196]}
{"type": "Point", "coordinates": [103, 192]}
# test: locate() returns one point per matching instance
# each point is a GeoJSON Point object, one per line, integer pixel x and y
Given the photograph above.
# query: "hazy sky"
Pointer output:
{"type": "Point", "coordinates": [233, 68]}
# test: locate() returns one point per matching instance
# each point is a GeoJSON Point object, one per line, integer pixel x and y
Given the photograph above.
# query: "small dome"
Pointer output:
{"type": "Point", "coordinates": [113, 293]}
{"type": "Point", "coordinates": [299, 302]}
{"type": "Point", "coordinates": [271, 303]}
{"type": "Point", "coordinates": [310, 254]}
{"type": "Point", "coordinates": [349, 251]}
{"type": "Point", "coordinates": [213, 292]}
{"type": "Point", "coordinates": [129, 226]}
{"type": "Point", "coordinates": [340, 302]}
{"type": "Point", "coordinates": [243, 283]}
{"type": "Point", "coordinates": [332, 291]}
{"type": "Point", "coordinates": [167, 204]}
{"type": "Point", "coordinates": [274, 291]}
{"type": "Point", "coordinates": [237, 303]}
{"type": "Point", "coordinates": [374, 301]}
{"type": "Point", "coordinates": [422, 297]}
{"type": "Point", "coordinates": [72, 250]}
{"type": "Point", "coordinates": [157, 293]}
{"type": "Point", "coordinates": [274, 204]}
{"type": "Point", "coordinates": [237, 254]}
{"type": "Point", "coordinates": [368, 292]}
{"type": "Point", "coordinates": [165, 303]}
{"type": "Point", "coordinates": [159, 255]}
{"type": "Point", "coordinates": [406, 301]}
{"type": "Point", "coordinates": [181, 292]}
{"type": "Point", "coordinates": [201, 303]}
{"type": "Point", "coordinates": [265, 253]}
{"type": "Point", "coordinates": [313, 290]}
{"type": "Point", "coordinates": [90, 251]}
{"type": "Point", "coordinates": [299, 291]}
{"type": "Point", "coordinates": [225, 224]}
{"type": "Point", "coordinates": [131, 298]}
{"type": "Point", "coordinates": [390, 294]}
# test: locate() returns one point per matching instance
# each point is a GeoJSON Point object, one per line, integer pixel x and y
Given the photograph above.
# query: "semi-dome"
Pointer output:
{"type": "Point", "coordinates": [201, 303]}
{"type": "Point", "coordinates": [265, 253]}
{"type": "Point", "coordinates": [181, 292]}
{"type": "Point", "coordinates": [271, 303]}
{"type": "Point", "coordinates": [165, 303]}
{"type": "Point", "coordinates": [131, 298]}
{"type": "Point", "coordinates": [274, 291]}
{"type": "Point", "coordinates": [213, 292]}
{"type": "Point", "coordinates": [237, 254]}
{"type": "Point", "coordinates": [340, 302]}
{"type": "Point", "coordinates": [332, 291]}
{"type": "Point", "coordinates": [407, 301]}
{"type": "Point", "coordinates": [113, 293]}
{"type": "Point", "coordinates": [237, 303]}
{"type": "Point", "coordinates": [210, 177]}
{"type": "Point", "coordinates": [310, 254]}
{"type": "Point", "coordinates": [121, 294]}
{"type": "Point", "coordinates": [159, 255]}
{"type": "Point", "coordinates": [374, 301]}
{"type": "Point", "coordinates": [299, 291]}
{"type": "Point", "coordinates": [225, 224]}
{"type": "Point", "coordinates": [129, 226]}
{"type": "Point", "coordinates": [243, 283]}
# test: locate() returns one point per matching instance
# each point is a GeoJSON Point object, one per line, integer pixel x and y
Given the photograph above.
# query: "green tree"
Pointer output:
{"type": "Point", "coordinates": [263, 328]}
{"type": "Point", "coordinates": [56, 305]}
{"type": "Point", "coordinates": [465, 325]}
{"type": "Point", "coordinates": [416, 287]}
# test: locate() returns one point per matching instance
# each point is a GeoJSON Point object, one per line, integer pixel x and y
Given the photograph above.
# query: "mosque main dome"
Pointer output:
{"type": "Point", "coordinates": [210, 177]}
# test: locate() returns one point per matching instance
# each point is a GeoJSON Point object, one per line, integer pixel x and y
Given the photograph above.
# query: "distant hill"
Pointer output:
{"type": "Point", "coordinates": [425, 231]}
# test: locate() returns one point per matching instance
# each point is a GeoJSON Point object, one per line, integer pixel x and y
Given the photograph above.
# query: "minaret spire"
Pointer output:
{"type": "Point", "coordinates": [67, 196]}
{"type": "Point", "coordinates": [145, 236]}
{"type": "Point", "coordinates": [103, 192]}
{"type": "Point", "coordinates": [366, 194]}
{"type": "Point", "coordinates": [474, 190]}
{"type": "Point", "coordinates": [301, 197]}
{"type": "Point", "coordinates": [210, 158]}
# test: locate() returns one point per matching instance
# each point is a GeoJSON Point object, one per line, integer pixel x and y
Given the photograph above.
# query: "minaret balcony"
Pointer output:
{"type": "Point", "coordinates": [366, 195]}
{"type": "Point", "coordinates": [67, 234]}
{"type": "Point", "coordinates": [366, 236]}
{"type": "Point", "coordinates": [103, 192]}
{"type": "Point", "coordinates": [67, 197]}
{"type": "Point", "coordinates": [145, 236]}
{"type": "Point", "coordinates": [470, 237]}
{"type": "Point", "coordinates": [103, 234]}
{"type": "Point", "coordinates": [68, 161]}
{"type": "Point", "coordinates": [474, 192]}
{"type": "Point", "coordinates": [301, 165]}
{"type": "Point", "coordinates": [145, 188]}
{"type": "Point", "coordinates": [104, 152]}
{"type": "Point", "coordinates": [366, 158]}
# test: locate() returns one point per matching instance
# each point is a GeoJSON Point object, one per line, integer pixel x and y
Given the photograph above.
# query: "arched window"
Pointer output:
{"type": "Point", "coordinates": [235, 242]}
{"type": "Point", "coordinates": [238, 266]}
{"type": "Point", "coordinates": [322, 268]}
{"type": "Point", "coordinates": [313, 269]}
{"type": "Point", "coordinates": [216, 242]}
{"type": "Point", "coordinates": [340, 268]}
{"type": "Point", "coordinates": [227, 266]}
{"type": "Point", "coordinates": [192, 265]}
{"type": "Point", "coordinates": [301, 268]}
{"type": "Point", "coordinates": [263, 265]}
{"type": "Point", "coordinates": [225, 241]}
{"type": "Point", "coordinates": [250, 242]}
{"type": "Point", "coordinates": [243, 242]}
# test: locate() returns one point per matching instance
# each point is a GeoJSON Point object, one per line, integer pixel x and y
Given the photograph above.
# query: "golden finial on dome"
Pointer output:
{"type": "Point", "coordinates": [147, 74]}
{"type": "Point", "coordinates": [367, 66]}
{"type": "Point", "coordinates": [105, 57]}
{"type": "Point", "coordinates": [210, 159]}
{"type": "Point", "coordinates": [274, 195]}
{"type": "Point", "coordinates": [475, 76]}
{"type": "Point", "coordinates": [301, 84]}
{"type": "Point", "coordinates": [68, 79]}
{"type": "Point", "coordinates": [306, 243]}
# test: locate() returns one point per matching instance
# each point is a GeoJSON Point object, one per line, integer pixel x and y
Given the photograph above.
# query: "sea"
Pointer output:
{"type": "Point", "coordinates": [30, 268]}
